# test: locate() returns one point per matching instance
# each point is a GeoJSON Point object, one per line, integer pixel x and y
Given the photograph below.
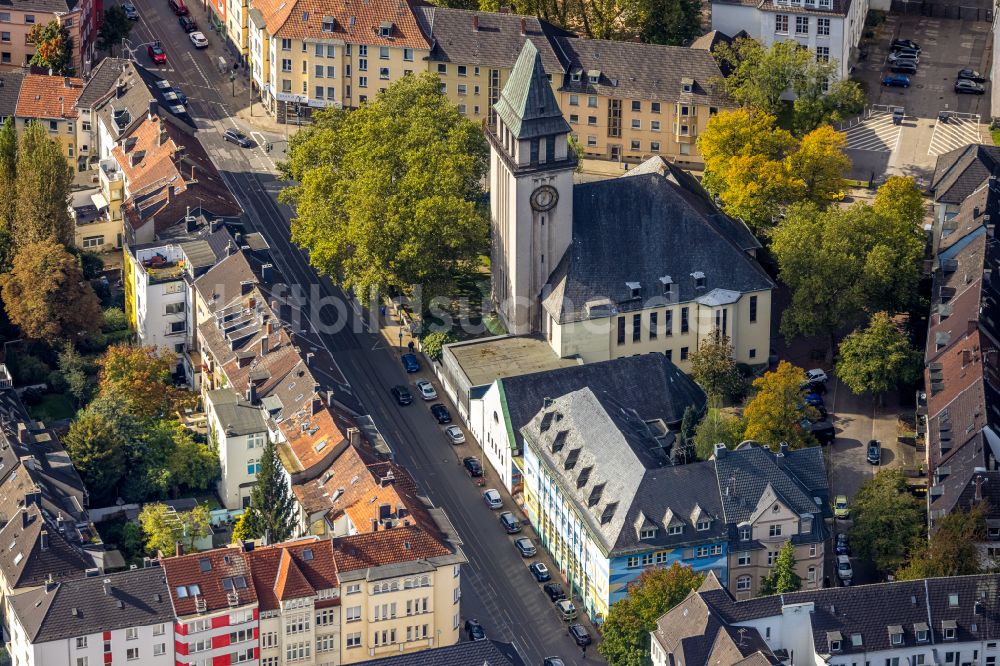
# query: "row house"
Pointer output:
{"type": "Point", "coordinates": [81, 20]}
{"type": "Point", "coordinates": [49, 101]}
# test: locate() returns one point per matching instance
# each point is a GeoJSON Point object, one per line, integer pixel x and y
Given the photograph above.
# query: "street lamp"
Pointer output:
{"type": "Point", "coordinates": [232, 80]}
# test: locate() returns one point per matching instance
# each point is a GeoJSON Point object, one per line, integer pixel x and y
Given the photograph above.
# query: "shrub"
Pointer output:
{"type": "Point", "coordinates": [435, 342]}
{"type": "Point", "coordinates": [30, 370]}
{"type": "Point", "coordinates": [114, 320]}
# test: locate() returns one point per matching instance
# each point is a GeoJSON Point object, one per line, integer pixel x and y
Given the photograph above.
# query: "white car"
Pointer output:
{"type": "Point", "coordinates": [844, 571]}
{"type": "Point", "coordinates": [567, 611]}
{"type": "Point", "coordinates": [425, 389]}
{"type": "Point", "coordinates": [900, 57]}
{"type": "Point", "coordinates": [455, 434]}
{"type": "Point", "coordinates": [493, 499]}
{"type": "Point", "coordinates": [199, 40]}
{"type": "Point", "coordinates": [817, 375]}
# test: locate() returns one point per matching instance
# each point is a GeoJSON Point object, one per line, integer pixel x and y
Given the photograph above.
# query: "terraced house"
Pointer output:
{"type": "Point", "coordinates": [81, 18]}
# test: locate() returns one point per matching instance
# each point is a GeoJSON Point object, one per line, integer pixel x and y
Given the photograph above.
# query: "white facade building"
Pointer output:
{"type": "Point", "coordinates": [239, 432]}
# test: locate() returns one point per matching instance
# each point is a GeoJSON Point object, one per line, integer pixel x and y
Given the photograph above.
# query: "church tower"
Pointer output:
{"type": "Point", "coordinates": [531, 192]}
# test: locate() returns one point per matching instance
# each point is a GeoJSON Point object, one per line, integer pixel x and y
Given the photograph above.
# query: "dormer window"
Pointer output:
{"type": "Point", "coordinates": [703, 525]}
{"type": "Point", "coordinates": [667, 284]}
{"type": "Point", "coordinates": [385, 29]}
{"type": "Point", "coordinates": [745, 533]}
{"type": "Point", "coordinates": [634, 289]}
{"type": "Point", "coordinates": [699, 279]}
{"type": "Point", "coordinates": [328, 23]}
{"type": "Point", "coordinates": [836, 640]}
{"type": "Point", "coordinates": [950, 629]}
{"type": "Point", "coordinates": [575, 76]}
{"type": "Point", "coordinates": [594, 76]}
{"type": "Point", "coordinates": [920, 632]}
{"type": "Point", "coordinates": [687, 85]}
{"type": "Point", "coordinates": [648, 533]}
{"type": "Point", "coordinates": [835, 646]}
{"type": "Point", "coordinates": [674, 530]}
{"type": "Point", "coordinates": [896, 634]}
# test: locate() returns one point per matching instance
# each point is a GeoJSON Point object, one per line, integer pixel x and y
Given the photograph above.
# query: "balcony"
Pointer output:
{"type": "Point", "coordinates": [159, 269]}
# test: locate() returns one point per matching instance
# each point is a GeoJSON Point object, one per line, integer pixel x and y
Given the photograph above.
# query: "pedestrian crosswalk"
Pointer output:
{"type": "Point", "coordinates": [956, 132]}
{"type": "Point", "coordinates": [877, 133]}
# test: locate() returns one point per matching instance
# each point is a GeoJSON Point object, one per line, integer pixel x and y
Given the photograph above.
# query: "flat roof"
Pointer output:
{"type": "Point", "coordinates": [483, 361]}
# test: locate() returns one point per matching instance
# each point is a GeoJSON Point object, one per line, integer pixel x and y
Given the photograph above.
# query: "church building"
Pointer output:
{"type": "Point", "coordinates": [640, 263]}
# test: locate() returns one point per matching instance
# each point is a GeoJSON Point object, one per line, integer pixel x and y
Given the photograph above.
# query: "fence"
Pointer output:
{"type": "Point", "coordinates": [869, 111]}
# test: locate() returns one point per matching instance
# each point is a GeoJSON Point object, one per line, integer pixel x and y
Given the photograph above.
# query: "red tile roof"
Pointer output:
{"type": "Point", "coordinates": [48, 96]}
{"type": "Point", "coordinates": [202, 576]}
{"type": "Point", "coordinates": [357, 22]}
{"type": "Point", "coordinates": [389, 546]}
{"type": "Point", "coordinates": [299, 568]}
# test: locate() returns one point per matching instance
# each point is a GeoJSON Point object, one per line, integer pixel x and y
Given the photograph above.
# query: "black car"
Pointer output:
{"type": "Point", "coordinates": [474, 630]}
{"type": "Point", "coordinates": [237, 137]}
{"type": "Point", "coordinates": [898, 44]}
{"type": "Point", "coordinates": [874, 456]}
{"type": "Point", "coordinates": [473, 466]}
{"type": "Point", "coordinates": [441, 413]}
{"type": "Point", "coordinates": [971, 75]}
{"type": "Point", "coordinates": [555, 591]}
{"type": "Point", "coordinates": [579, 634]}
{"type": "Point", "coordinates": [187, 23]}
{"type": "Point", "coordinates": [402, 395]}
{"type": "Point", "coordinates": [969, 87]}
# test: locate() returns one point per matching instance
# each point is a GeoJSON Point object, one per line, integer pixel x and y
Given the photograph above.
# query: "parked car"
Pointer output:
{"type": "Point", "coordinates": [525, 547]}
{"type": "Point", "coordinates": [187, 23]}
{"type": "Point", "coordinates": [844, 571]}
{"type": "Point", "coordinates": [511, 525]}
{"type": "Point", "coordinates": [902, 51]}
{"type": "Point", "coordinates": [971, 75]}
{"type": "Point", "coordinates": [156, 53]}
{"type": "Point", "coordinates": [896, 81]}
{"type": "Point", "coordinates": [553, 661]}
{"type": "Point", "coordinates": [817, 375]}
{"type": "Point", "coordinates": [842, 548]}
{"type": "Point", "coordinates": [840, 508]}
{"type": "Point", "coordinates": [905, 44]}
{"type": "Point", "coordinates": [454, 434]}
{"type": "Point", "coordinates": [579, 634]}
{"type": "Point", "coordinates": [814, 400]}
{"type": "Point", "coordinates": [178, 7]}
{"type": "Point", "coordinates": [493, 499]}
{"type": "Point", "coordinates": [903, 67]}
{"type": "Point", "coordinates": [239, 138]}
{"type": "Point", "coordinates": [874, 456]}
{"type": "Point", "coordinates": [900, 56]}
{"type": "Point", "coordinates": [566, 609]}
{"type": "Point", "coordinates": [425, 389]}
{"type": "Point", "coordinates": [131, 13]}
{"type": "Point", "coordinates": [967, 87]}
{"type": "Point", "coordinates": [441, 413]}
{"type": "Point", "coordinates": [554, 591]}
{"type": "Point", "coordinates": [474, 630]}
{"type": "Point", "coordinates": [473, 466]}
{"type": "Point", "coordinates": [402, 395]}
{"type": "Point", "coordinates": [198, 39]}
{"type": "Point", "coordinates": [410, 363]}
{"type": "Point", "coordinates": [540, 571]}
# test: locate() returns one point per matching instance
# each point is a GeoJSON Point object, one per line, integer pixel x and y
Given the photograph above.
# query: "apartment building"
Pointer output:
{"type": "Point", "coordinates": [340, 54]}
{"type": "Point", "coordinates": [51, 102]}
{"type": "Point", "coordinates": [81, 20]}
{"type": "Point", "coordinates": [103, 619]}
{"type": "Point", "coordinates": [238, 428]}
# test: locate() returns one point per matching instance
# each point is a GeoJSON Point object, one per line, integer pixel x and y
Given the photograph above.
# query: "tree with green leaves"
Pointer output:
{"type": "Point", "coordinates": [953, 547]}
{"type": "Point", "coordinates": [887, 520]}
{"type": "Point", "coordinates": [74, 372]}
{"type": "Point", "coordinates": [271, 514]}
{"type": "Point", "coordinates": [53, 47]}
{"type": "Point", "coordinates": [241, 530]}
{"type": "Point", "coordinates": [8, 192]}
{"type": "Point", "coordinates": [45, 296]}
{"type": "Point", "coordinates": [389, 193]}
{"type": "Point", "coordinates": [672, 22]}
{"type": "Point", "coordinates": [94, 444]}
{"type": "Point", "coordinates": [115, 27]}
{"type": "Point", "coordinates": [714, 367]}
{"type": "Point", "coordinates": [625, 632]}
{"type": "Point", "coordinates": [821, 98]}
{"type": "Point", "coordinates": [164, 528]}
{"type": "Point", "coordinates": [193, 466]}
{"type": "Point", "coordinates": [900, 198]}
{"type": "Point", "coordinates": [718, 427]}
{"type": "Point", "coordinates": [878, 358]}
{"type": "Point", "coordinates": [689, 425]}
{"type": "Point", "coordinates": [782, 577]}
{"type": "Point", "coordinates": [774, 414]}
{"type": "Point", "coordinates": [41, 190]}
{"type": "Point", "coordinates": [822, 165]}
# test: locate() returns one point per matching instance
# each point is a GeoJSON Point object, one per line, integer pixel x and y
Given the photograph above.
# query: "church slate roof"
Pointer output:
{"type": "Point", "coordinates": [959, 173]}
{"type": "Point", "coordinates": [639, 229]}
{"type": "Point", "coordinates": [527, 105]}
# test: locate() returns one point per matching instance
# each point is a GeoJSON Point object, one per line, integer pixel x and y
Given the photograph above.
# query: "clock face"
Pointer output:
{"type": "Point", "coordinates": [544, 198]}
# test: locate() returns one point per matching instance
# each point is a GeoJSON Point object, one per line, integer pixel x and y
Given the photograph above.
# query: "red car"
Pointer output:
{"type": "Point", "coordinates": [157, 54]}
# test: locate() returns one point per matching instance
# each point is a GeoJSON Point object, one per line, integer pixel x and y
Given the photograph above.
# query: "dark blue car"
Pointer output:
{"type": "Point", "coordinates": [814, 399]}
{"type": "Point", "coordinates": [896, 81]}
{"type": "Point", "coordinates": [411, 363]}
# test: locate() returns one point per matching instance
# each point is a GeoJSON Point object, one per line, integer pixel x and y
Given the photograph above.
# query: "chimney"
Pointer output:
{"type": "Point", "coordinates": [178, 549]}
{"type": "Point", "coordinates": [720, 450]}
{"type": "Point", "coordinates": [267, 274]}
{"type": "Point", "coordinates": [374, 524]}
{"type": "Point", "coordinates": [50, 584]}
{"type": "Point", "coordinates": [190, 223]}
{"type": "Point", "coordinates": [317, 404]}
{"type": "Point", "coordinates": [475, 24]}
{"type": "Point", "coordinates": [22, 433]}
{"type": "Point", "coordinates": [966, 357]}
{"type": "Point", "coordinates": [107, 583]}
{"type": "Point", "coordinates": [24, 518]}
{"type": "Point", "coordinates": [44, 540]}
{"type": "Point", "coordinates": [194, 175]}
{"type": "Point", "coordinates": [265, 341]}
{"type": "Point", "coordinates": [309, 357]}
{"type": "Point", "coordinates": [252, 393]}
{"type": "Point", "coordinates": [246, 286]}
{"type": "Point", "coordinates": [154, 108]}
{"type": "Point", "coordinates": [524, 27]}
{"type": "Point", "coordinates": [783, 449]}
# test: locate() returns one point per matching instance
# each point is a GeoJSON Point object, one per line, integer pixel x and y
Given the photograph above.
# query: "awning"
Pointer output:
{"type": "Point", "coordinates": [949, 624]}
{"type": "Point", "coordinates": [99, 200]}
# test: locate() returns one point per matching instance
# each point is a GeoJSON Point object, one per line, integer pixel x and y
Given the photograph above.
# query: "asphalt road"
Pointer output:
{"type": "Point", "coordinates": [496, 587]}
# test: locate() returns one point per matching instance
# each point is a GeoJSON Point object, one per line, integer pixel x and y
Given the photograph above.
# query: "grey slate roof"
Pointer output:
{"type": "Point", "coordinates": [496, 43]}
{"type": "Point", "coordinates": [633, 70]}
{"type": "Point", "coordinates": [237, 416]}
{"type": "Point", "coordinates": [134, 598]}
{"type": "Point", "coordinates": [960, 172]}
{"type": "Point", "coordinates": [639, 229]}
{"type": "Point", "coordinates": [102, 80]}
{"type": "Point", "coordinates": [10, 88]}
{"type": "Point", "coordinates": [527, 105]}
{"type": "Point", "coordinates": [466, 653]}
{"type": "Point", "coordinates": [132, 103]}
{"type": "Point", "coordinates": [25, 558]}
{"type": "Point", "coordinates": [50, 6]}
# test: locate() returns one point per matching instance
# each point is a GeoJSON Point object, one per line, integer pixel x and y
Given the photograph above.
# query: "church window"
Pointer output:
{"type": "Point", "coordinates": [637, 328]}
{"type": "Point", "coordinates": [668, 322]}
{"type": "Point", "coordinates": [753, 309]}
{"type": "Point", "coordinates": [652, 325]}
{"type": "Point", "coordinates": [534, 151]}
{"type": "Point", "coordinates": [550, 149]}
{"type": "Point", "coordinates": [684, 320]}
{"type": "Point", "coordinates": [621, 330]}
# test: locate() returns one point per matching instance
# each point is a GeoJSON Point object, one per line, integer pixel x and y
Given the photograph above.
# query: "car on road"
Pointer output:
{"type": "Point", "coordinates": [553, 661]}
{"type": "Point", "coordinates": [967, 87]}
{"type": "Point", "coordinates": [441, 413]}
{"type": "Point", "coordinates": [131, 13]}
{"type": "Point", "coordinates": [473, 466]}
{"type": "Point", "coordinates": [842, 547]}
{"type": "Point", "coordinates": [900, 56]}
{"type": "Point", "coordinates": [896, 81]}
{"type": "Point", "coordinates": [903, 67]}
{"type": "Point", "coordinates": [511, 525]}
{"type": "Point", "coordinates": [239, 138]}
{"type": "Point", "coordinates": [971, 75]}
{"type": "Point", "coordinates": [540, 571]}
{"type": "Point", "coordinates": [905, 44]}
{"type": "Point", "coordinates": [840, 507]}
{"type": "Point", "coordinates": [187, 23]}
{"type": "Point", "coordinates": [525, 547]}
{"type": "Point", "coordinates": [402, 395]}
{"type": "Point", "coordinates": [844, 571]}
{"type": "Point", "coordinates": [178, 7]}
{"type": "Point", "coordinates": [410, 362]}
{"type": "Point", "coordinates": [454, 434]}
{"type": "Point", "coordinates": [579, 634]}
{"type": "Point", "coordinates": [474, 630]}
{"type": "Point", "coordinates": [874, 456]}
{"type": "Point", "coordinates": [566, 609]}
{"type": "Point", "coordinates": [425, 389]}
{"type": "Point", "coordinates": [817, 375]}
{"type": "Point", "coordinates": [554, 591]}
{"type": "Point", "coordinates": [198, 39]}
{"type": "Point", "coordinates": [493, 499]}
{"type": "Point", "coordinates": [156, 53]}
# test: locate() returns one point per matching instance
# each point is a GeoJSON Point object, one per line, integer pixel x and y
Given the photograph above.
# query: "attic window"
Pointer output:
{"type": "Point", "coordinates": [205, 564]}
{"type": "Point", "coordinates": [329, 23]}
{"type": "Point", "coordinates": [648, 533]}
{"type": "Point", "coordinates": [575, 76]}
{"type": "Point", "coordinates": [835, 646]}
{"type": "Point", "coordinates": [856, 640]}
{"type": "Point", "coordinates": [674, 530]}
{"type": "Point", "coordinates": [699, 279]}
{"type": "Point", "coordinates": [703, 525]}
{"type": "Point", "coordinates": [595, 496]}
{"type": "Point", "coordinates": [667, 284]}
{"type": "Point", "coordinates": [559, 441]}
{"type": "Point", "coordinates": [307, 554]}
{"type": "Point", "coordinates": [234, 583]}
{"type": "Point", "coordinates": [385, 29]}
{"type": "Point", "coordinates": [634, 289]}
{"type": "Point", "coordinates": [305, 16]}
{"type": "Point", "coordinates": [687, 85]}
{"type": "Point", "coordinates": [571, 458]}
{"type": "Point", "coordinates": [584, 477]}
{"type": "Point", "coordinates": [609, 512]}
{"type": "Point", "coordinates": [594, 76]}
{"type": "Point", "coordinates": [953, 600]}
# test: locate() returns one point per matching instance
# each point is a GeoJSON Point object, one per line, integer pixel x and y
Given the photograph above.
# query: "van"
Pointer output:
{"type": "Point", "coordinates": [178, 7]}
{"type": "Point", "coordinates": [566, 609]}
{"type": "Point", "coordinates": [510, 523]}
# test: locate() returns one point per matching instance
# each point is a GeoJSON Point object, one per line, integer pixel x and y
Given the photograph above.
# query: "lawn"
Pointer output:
{"type": "Point", "coordinates": [995, 133]}
{"type": "Point", "coordinates": [54, 406]}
